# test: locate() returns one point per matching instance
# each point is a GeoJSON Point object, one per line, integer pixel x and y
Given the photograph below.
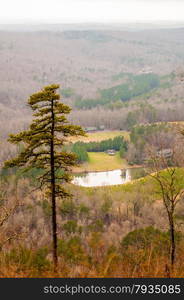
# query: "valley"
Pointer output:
{"type": "Point", "coordinates": [109, 151]}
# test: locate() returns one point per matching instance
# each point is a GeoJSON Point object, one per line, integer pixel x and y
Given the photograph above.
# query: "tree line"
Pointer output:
{"type": "Point", "coordinates": [136, 85]}
{"type": "Point", "coordinates": [81, 149]}
{"type": "Point", "coordinates": [143, 135]}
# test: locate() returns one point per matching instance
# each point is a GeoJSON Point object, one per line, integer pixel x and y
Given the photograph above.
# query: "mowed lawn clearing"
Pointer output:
{"type": "Point", "coordinates": [100, 161]}
{"type": "Point", "coordinates": [99, 136]}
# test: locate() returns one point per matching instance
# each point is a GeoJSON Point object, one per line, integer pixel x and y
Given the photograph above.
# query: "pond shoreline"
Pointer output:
{"type": "Point", "coordinates": [106, 178]}
{"type": "Point", "coordinates": [82, 171]}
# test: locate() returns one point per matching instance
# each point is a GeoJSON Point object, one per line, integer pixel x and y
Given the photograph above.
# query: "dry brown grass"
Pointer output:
{"type": "Point", "coordinates": [111, 267]}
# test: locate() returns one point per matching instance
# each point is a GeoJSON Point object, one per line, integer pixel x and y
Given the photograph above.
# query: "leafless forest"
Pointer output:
{"type": "Point", "coordinates": [94, 226]}
{"type": "Point", "coordinates": [88, 61]}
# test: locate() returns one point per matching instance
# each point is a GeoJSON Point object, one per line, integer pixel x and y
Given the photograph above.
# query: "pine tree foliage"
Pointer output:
{"type": "Point", "coordinates": [43, 147]}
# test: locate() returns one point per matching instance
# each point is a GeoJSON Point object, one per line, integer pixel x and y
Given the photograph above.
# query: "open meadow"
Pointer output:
{"type": "Point", "coordinates": [99, 161]}
{"type": "Point", "coordinates": [99, 136]}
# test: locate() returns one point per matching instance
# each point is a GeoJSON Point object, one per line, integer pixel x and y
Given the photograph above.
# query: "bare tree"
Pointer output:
{"type": "Point", "coordinates": [164, 168]}
{"type": "Point", "coordinates": [7, 211]}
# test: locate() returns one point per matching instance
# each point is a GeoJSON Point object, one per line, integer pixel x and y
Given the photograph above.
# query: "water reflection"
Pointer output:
{"type": "Point", "coordinates": [104, 178]}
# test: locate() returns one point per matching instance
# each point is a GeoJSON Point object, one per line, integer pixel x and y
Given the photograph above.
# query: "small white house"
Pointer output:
{"type": "Point", "coordinates": [111, 152]}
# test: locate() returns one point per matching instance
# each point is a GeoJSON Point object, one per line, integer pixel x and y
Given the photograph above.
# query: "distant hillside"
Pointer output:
{"type": "Point", "coordinates": [99, 72]}
{"type": "Point", "coordinates": [83, 60]}
{"type": "Point", "coordinates": [133, 86]}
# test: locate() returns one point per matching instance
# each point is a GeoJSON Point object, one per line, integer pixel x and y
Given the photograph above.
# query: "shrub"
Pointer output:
{"type": "Point", "coordinates": [71, 227]}
{"type": "Point", "coordinates": [39, 260]}
{"type": "Point", "coordinates": [83, 209]}
{"type": "Point", "coordinates": [46, 206]}
{"type": "Point", "coordinates": [96, 226]}
{"type": "Point", "coordinates": [28, 259]}
{"type": "Point", "coordinates": [68, 208]}
{"type": "Point", "coordinates": [149, 237]}
{"type": "Point", "coordinates": [71, 249]}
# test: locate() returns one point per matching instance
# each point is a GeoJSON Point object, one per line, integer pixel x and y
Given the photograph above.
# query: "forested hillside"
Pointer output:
{"type": "Point", "coordinates": [125, 89]}
{"type": "Point", "coordinates": [104, 74]}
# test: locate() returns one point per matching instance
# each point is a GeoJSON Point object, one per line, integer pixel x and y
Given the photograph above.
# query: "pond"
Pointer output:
{"type": "Point", "coordinates": [108, 177]}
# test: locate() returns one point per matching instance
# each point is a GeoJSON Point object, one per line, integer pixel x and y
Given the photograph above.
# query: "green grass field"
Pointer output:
{"type": "Point", "coordinates": [101, 136]}
{"type": "Point", "coordinates": [100, 161]}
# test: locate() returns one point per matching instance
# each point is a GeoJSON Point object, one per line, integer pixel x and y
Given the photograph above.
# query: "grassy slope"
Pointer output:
{"type": "Point", "coordinates": [144, 189]}
{"type": "Point", "coordinates": [129, 187]}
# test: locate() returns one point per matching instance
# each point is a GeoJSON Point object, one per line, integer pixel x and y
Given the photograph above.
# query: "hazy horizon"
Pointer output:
{"type": "Point", "coordinates": [154, 22]}
{"type": "Point", "coordinates": [91, 11]}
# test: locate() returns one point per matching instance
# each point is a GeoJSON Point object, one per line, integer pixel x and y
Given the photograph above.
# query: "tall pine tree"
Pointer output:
{"type": "Point", "coordinates": [43, 143]}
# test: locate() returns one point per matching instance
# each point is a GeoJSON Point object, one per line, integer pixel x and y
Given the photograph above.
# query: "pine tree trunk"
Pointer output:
{"type": "Point", "coordinates": [53, 192]}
